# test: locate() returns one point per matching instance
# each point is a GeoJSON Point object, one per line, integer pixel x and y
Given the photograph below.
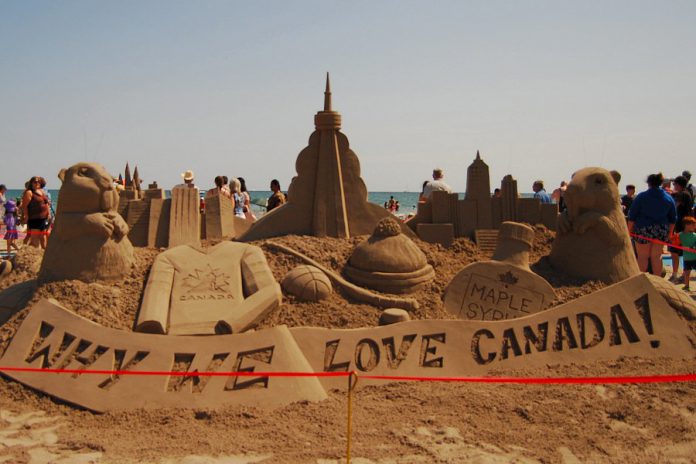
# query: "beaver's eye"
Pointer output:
{"type": "Point", "coordinates": [598, 180]}
{"type": "Point", "coordinates": [83, 171]}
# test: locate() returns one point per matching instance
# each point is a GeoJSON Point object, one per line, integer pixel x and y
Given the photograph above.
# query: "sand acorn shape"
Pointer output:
{"type": "Point", "coordinates": [389, 261]}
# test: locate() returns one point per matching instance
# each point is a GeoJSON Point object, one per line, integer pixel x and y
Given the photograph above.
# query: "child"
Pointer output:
{"type": "Point", "coordinates": [11, 225]}
{"type": "Point", "coordinates": [688, 240]}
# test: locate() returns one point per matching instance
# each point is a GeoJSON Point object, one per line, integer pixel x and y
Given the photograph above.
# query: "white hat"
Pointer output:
{"type": "Point", "coordinates": [188, 175]}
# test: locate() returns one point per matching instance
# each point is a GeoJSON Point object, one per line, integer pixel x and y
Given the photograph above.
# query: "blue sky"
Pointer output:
{"type": "Point", "coordinates": [540, 88]}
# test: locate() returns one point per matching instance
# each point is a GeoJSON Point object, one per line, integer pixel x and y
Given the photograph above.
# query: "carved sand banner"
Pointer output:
{"type": "Point", "coordinates": [626, 319]}
{"type": "Point", "coordinates": [52, 337]}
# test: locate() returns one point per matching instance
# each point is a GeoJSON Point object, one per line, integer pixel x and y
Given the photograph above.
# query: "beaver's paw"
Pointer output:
{"type": "Point", "coordinates": [99, 224]}
{"type": "Point", "coordinates": [120, 226]}
{"type": "Point", "coordinates": [586, 221]}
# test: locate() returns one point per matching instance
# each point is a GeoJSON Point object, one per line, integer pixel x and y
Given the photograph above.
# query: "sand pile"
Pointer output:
{"type": "Point", "coordinates": [416, 422]}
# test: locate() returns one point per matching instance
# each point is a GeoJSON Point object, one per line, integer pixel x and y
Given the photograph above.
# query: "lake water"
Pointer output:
{"type": "Point", "coordinates": [407, 200]}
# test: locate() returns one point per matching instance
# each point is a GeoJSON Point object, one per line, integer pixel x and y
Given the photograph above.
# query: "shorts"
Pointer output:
{"type": "Point", "coordinates": [655, 231]}
{"type": "Point", "coordinates": [11, 234]}
{"type": "Point", "coordinates": [677, 251]}
{"type": "Point", "coordinates": [690, 265]}
{"type": "Point", "coordinates": [37, 224]}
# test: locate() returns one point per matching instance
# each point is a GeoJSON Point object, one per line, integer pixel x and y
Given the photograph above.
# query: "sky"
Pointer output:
{"type": "Point", "coordinates": [541, 88]}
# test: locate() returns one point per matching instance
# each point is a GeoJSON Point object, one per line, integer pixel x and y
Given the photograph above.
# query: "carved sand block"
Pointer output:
{"type": "Point", "coordinates": [436, 233]}
{"type": "Point", "coordinates": [328, 196]}
{"type": "Point", "coordinates": [89, 240]}
{"type": "Point", "coordinates": [592, 239]}
{"type": "Point", "coordinates": [53, 337]}
{"type": "Point", "coordinates": [389, 261]}
{"type": "Point", "coordinates": [220, 220]}
{"type": "Point", "coordinates": [503, 288]}
{"type": "Point", "coordinates": [626, 319]}
{"type": "Point", "coordinates": [307, 283]}
{"type": "Point", "coordinates": [185, 217]}
{"type": "Point", "coordinates": [227, 288]}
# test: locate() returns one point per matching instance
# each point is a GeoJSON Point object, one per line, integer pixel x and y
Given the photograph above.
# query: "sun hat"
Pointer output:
{"type": "Point", "coordinates": [188, 175]}
{"type": "Point", "coordinates": [10, 206]}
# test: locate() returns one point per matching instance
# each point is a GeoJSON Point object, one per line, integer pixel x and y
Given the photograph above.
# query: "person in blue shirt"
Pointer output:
{"type": "Point", "coordinates": [539, 191]}
{"type": "Point", "coordinates": [652, 217]}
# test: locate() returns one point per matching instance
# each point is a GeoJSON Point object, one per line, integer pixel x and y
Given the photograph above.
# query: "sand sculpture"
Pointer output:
{"type": "Point", "coordinates": [53, 337]}
{"type": "Point", "coordinates": [503, 288]}
{"type": "Point", "coordinates": [307, 283]}
{"type": "Point", "coordinates": [626, 319]}
{"type": "Point", "coordinates": [327, 197]}
{"type": "Point", "coordinates": [89, 240]}
{"type": "Point", "coordinates": [350, 289]}
{"type": "Point", "coordinates": [393, 316]}
{"type": "Point", "coordinates": [446, 217]}
{"type": "Point", "coordinates": [227, 288]}
{"type": "Point", "coordinates": [389, 261]}
{"type": "Point", "coordinates": [592, 239]}
{"type": "Point", "coordinates": [677, 298]}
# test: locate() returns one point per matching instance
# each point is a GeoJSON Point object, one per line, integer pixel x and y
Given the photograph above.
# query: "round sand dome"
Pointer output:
{"type": "Point", "coordinates": [389, 261]}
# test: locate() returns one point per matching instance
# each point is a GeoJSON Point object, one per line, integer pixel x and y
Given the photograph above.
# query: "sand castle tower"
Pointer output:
{"type": "Point", "coordinates": [478, 189]}
{"type": "Point", "coordinates": [327, 197]}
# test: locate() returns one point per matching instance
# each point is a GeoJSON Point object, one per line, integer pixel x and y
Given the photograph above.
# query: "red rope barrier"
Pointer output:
{"type": "Point", "coordinates": [516, 380]}
{"type": "Point", "coordinates": [653, 240]}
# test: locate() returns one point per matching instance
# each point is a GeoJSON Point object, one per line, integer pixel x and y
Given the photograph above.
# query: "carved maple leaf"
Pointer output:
{"type": "Point", "coordinates": [207, 280]}
{"type": "Point", "coordinates": [508, 278]}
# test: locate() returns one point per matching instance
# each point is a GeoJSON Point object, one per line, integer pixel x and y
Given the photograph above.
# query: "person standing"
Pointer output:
{"type": "Point", "coordinates": [684, 203]}
{"type": "Point", "coordinates": [237, 197]}
{"type": "Point", "coordinates": [36, 212]}
{"type": "Point", "coordinates": [10, 219]}
{"type": "Point", "coordinates": [688, 240]}
{"type": "Point", "coordinates": [436, 185]}
{"type": "Point", "coordinates": [3, 191]}
{"type": "Point", "coordinates": [627, 199]}
{"type": "Point", "coordinates": [248, 213]}
{"type": "Point", "coordinates": [277, 198]}
{"type": "Point", "coordinates": [652, 217]}
{"type": "Point", "coordinates": [539, 192]}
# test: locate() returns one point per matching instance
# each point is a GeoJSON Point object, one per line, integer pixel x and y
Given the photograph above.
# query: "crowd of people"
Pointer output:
{"type": "Point", "coordinates": [664, 213]}
{"type": "Point", "coordinates": [236, 190]}
{"type": "Point", "coordinates": [32, 209]}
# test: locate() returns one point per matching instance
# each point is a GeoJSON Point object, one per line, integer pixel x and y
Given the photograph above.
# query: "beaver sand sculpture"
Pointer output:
{"type": "Point", "coordinates": [89, 240]}
{"type": "Point", "coordinates": [592, 239]}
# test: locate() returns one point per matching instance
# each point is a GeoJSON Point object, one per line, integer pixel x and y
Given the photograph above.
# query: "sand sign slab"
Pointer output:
{"type": "Point", "coordinates": [52, 337]}
{"type": "Point", "coordinates": [627, 319]}
{"type": "Point", "coordinates": [494, 290]}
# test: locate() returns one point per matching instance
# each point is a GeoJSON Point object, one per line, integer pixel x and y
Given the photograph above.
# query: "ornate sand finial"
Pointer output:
{"type": "Point", "coordinates": [327, 118]}
{"type": "Point", "coordinates": [327, 94]}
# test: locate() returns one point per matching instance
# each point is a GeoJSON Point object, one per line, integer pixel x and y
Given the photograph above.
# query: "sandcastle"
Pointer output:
{"type": "Point", "coordinates": [327, 197]}
{"type": "Point", "coordinates": [446, 217]}
{"type": "Point", "coordinates": [200, 304]}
